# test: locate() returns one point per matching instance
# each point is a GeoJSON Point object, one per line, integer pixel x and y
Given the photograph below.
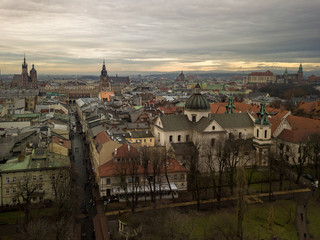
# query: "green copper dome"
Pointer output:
{"type": "Point", "coordinates": [197, 101]}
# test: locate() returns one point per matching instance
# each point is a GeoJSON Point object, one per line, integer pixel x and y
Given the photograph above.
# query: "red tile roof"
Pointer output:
{"type": "Point", "coordinates": [267, 73]}
{"type": "Point", "coordinates": [100, 139]}
{"type": "Point", "coordinates": [113, 168]}
{"type": "Point", "coordinates": [126, 151]}
{"type": "Point", "coordinates": [303, 123]}
{"type": "Point", "coordinates": [62, 142]}
{"type": "Point", "coordinates": [297, 136]}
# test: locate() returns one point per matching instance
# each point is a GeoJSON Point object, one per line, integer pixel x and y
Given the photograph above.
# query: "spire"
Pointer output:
{"type": "Point", "coordinates": [24, 65]}
{"type": "Point", "coordinates": [286, 72]}
{"type": "Point", "coordinates": [262, 114]}
{"type": "Point", "coordinates": [104, 72]}
{"type": "Point", "coordinates": [197, 89]}
{"type": "Point", "coordinates": [230, 106]}
{"type": "Point", "coordinates": [300, 69]}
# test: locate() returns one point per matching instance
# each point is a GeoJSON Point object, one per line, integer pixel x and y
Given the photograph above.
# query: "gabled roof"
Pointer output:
{"type": "Point", "coordinates": [186, 148]}
{"type": "Point", "coordinates": [113, 168]}
{"type": "Point", "coordinates": [100, 139]}
{"type": "Point", "coordinates": [175, 123]}
{"type": "Point", "coordinates": [235, 120]}
{"type": "Point", "coordinates": [126, 151]}
{"type": "Point", "coordinates": [297, 136]}
{"type": "Point", "coordinates": [303, 123]}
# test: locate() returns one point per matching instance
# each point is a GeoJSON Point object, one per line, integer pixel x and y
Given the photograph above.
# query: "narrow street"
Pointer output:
{"type": "Point", "coordinates": [87, 209]}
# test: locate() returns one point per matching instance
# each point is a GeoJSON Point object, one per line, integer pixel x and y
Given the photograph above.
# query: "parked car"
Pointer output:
{"type": "Point", "coordinates": [314, 182]}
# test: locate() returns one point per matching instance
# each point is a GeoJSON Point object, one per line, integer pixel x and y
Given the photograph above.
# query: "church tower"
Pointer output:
{"type": "Point", "coordinates": [262, 135]}
{"type": "Point", "coordinates": [230, 106]}
{"type": "Point", "coordinates": [300, 72]}
{"type": "Point", "coordinates": [104, 85]}
{"type": "Point", "coordinates": [34, 78]}
{"type": "Point", "coordinates": [24, 76]}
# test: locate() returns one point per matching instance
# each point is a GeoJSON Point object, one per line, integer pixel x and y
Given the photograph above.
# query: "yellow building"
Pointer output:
{"type": "Point", "coordinates": [40, 170]}
{"type": "Point", "coordinates": [145, 138]}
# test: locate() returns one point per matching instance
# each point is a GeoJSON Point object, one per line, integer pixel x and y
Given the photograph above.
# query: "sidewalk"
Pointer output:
{"type": "Point", "coordinates": [301, 218]}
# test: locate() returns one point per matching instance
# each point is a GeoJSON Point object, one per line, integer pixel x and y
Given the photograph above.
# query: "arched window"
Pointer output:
{"type": "Point", "coordinates": [213, 127]}
{"type": "Point", "coordinates": [257, 133]}
{"type": "Point", "coordinates": [265, 133]}
{"type": "Point", "coordinates": [194, 117]}
{"type": "Point", "coordinates": [240, 135]}
{"type": "Point", "coordinates": [179, 138]}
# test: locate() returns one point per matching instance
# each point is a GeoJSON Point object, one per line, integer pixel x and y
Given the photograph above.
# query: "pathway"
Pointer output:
{"type": "Point", "coordinates": [301, 217]}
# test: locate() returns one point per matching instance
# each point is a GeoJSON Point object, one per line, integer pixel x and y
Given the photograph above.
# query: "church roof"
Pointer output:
{"type": "Point", "coordinates": [236, 120]}
{"type": "Point", "coordinates": [175, 123]}
{"type": "Point", "coordinates": [197, 102]}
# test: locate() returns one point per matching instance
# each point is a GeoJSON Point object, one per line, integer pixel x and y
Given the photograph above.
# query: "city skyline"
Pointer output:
{"type": "Point", "coordinates": [74, 37]}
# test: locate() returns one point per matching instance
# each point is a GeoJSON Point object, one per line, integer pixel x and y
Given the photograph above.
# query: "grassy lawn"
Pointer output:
{"type": "Point", "coordinates": [313, 210]}
{"type": "Point", "coordinates": [11, 217]}
{"type": "Point", "coordinates": [275, 186]}
{"type": "Point", "coordinates": [255, 222]}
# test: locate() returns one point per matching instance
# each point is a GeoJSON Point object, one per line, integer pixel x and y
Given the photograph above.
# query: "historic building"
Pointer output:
{"type": "Point", "coordinates": [260, 77]}
{"type": "Point", "coordinates": [23, 80]}
{"type": "Point", "coordinates": [293, 77]}
{"type": "Point", "coordinates": [181, 77]}
{"type": "Point", "coordinates": [206, 131]}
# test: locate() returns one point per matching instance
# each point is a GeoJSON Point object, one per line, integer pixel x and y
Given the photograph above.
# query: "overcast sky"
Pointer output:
{"type": "Point", "coordinates": [74, 36]}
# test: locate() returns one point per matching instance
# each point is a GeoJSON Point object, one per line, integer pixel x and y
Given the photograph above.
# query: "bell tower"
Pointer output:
{"type": "Point", "coordinates": [24, 75]}
{"type": "Point", "coordinates": [262, 135]}
{"type": "Point", "coordinates": [104, 85]}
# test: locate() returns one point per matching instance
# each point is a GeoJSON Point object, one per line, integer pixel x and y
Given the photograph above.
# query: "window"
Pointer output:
{"type": "Point", "coordinates": [7, 191]}
{"type": "Point", "coordinates": [187, 138]}
{"type": "Point", "coordinates": [194, 117]}
{"type": "Point", "coordinates": [53, 176]}
{"type": "Point", "coordinates": [129, 179]}
{"type": "Point", "coordinates": [257, 133]}
{"type": "Point", "coordinates": [108, 181]}
{"type": "Point", "coordinates": [158, 137]}
{"type": "Point", "coordinates": [213, 127]}
{"type": "Point", "coordinates": [13, 179]}
{"type": "Point", "coordinates": [24, 178]}
{"type": "Point", "coordinates": [150, 140]}
{"type": "Point", "coordinates": [14, 190]}
{"type": "Point", "coordinates": [182, 176]}
{"type": "Point", "coordinates": [61, 176]}
{"type": "Point", "coordinates": [175, 177]}
{"type": "Point", "coordinates": [170, 138]}
{"type": "Point", "coordinates": [179, 138]}
{"type": "Point", "coordinates": [145, 140]}
{"type": "Point", "coordinates": [40, 188]}
{"type": "Point", "coordinates": [212, 141]}
{"type": "Point", "coordinates": [240, 135]}
{"type": "Point", "coordinates": [40, 177]}
{"type": "Point", "coordinates": [7, 180]}
{"type": "Point", "coordinates": [265, 133]}
{"type": "Point", "coordinates": [137, 179]}
{"type": "Point", "coordinates": [34, 178]}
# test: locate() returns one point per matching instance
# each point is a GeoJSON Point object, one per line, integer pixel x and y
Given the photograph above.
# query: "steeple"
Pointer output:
{"type": "Point", "coordinates": [230, 106]}
{"type": "Point", "coordinates": [24, 65]}
{"type": "Point", "coordinates": [262, 115]}
{"type": "Point", "coordinates": [300, 69]}
{"type": "Point", "coordinates": [286, 72]}
{"type": "Point", "coordinates": [104, 72]}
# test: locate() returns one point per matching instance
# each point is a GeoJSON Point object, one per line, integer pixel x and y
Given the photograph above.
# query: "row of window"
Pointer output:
{"type": "Point", "coordinates": [265, 133]}
{"type": "Point", "coordinates": [137, 179]}
{"type": "Point", "coordinates": [179, 138]}
{"type": "Point", "coordinates": [34, 178]}
{"type": "Point", "coordinates": [14, 190]}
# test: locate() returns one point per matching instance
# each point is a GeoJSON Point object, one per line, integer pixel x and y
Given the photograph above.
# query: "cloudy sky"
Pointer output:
{"type": "Point", "coordinates": [74, 36]}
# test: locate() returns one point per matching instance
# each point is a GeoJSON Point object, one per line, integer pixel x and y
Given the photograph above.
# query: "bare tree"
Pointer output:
{"type": "Point", "coordinates": [299, 158]}
{"type": "Point", "coordinates": [314, 152]}
{"type": "Point", "coordinates": [241, 180]}
{"type": "Point", "coordinates": [26, 190]}
{"type": "Point", "coordinates": [220, 156]}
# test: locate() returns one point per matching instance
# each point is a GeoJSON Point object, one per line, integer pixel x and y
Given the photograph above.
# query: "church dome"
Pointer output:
{"type": "Point", "coordinates": [197, 101]}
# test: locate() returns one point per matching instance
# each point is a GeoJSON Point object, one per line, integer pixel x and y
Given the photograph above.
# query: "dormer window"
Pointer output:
{"type": "Point", "coordinates": [213, 127]}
